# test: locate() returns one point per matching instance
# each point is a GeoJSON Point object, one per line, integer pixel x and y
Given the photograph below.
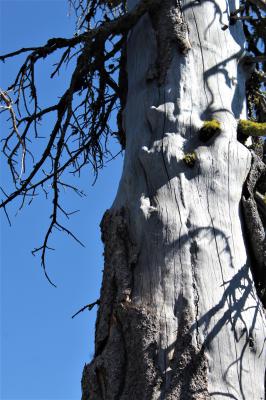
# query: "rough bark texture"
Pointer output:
{"type": "Point", "coordinates": [254, 222]}
{"type": "Point", "coordinates": [179, 315]}
{"type": "Point", "coordinates": [171, 32]}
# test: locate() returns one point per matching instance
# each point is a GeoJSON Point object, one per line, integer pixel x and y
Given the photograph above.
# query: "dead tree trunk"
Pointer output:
{"type": "Point", "coordinates": [179, 317]}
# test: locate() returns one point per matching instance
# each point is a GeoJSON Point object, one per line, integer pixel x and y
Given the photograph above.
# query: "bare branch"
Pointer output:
{"type": "Point", "coordinates": [8, 102]}
{"type": "Point", "coordinates": [81, 117]}
{"type": "Point", "coordinates": [87, 307]}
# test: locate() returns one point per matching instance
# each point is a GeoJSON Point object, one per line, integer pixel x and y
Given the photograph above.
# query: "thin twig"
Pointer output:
{"type": "Point", "coordinates": [5, 97]}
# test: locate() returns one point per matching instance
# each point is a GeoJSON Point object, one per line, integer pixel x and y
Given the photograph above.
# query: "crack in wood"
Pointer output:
{"type": "Point", "coordinates": [193, 254]}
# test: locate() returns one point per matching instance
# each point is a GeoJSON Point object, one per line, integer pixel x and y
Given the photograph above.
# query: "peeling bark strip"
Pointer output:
{"type": "Point", "coordinates": [254, 223]}
{"type": "Point", "coordinates": [120, 257]}
{"type": "Point", "coordinates": [126, 335]}
{"type": "Point", "coordinates": [171, 32]}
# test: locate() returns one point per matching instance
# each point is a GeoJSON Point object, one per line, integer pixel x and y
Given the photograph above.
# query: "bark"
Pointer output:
{"type": "Point", "coordinates": [179, 316]}
{"type": "Point", "coordinates": [253, 207]}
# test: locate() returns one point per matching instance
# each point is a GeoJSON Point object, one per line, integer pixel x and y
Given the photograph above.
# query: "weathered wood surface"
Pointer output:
{"type": "Point", "coordinates": [179, 315]}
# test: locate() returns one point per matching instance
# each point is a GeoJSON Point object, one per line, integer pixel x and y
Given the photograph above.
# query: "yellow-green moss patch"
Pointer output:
{"type": "Point", "coordinates": [190, 159]}
{"type": "Point", "coordinates": [251, 128]}
{"type": "Point", "coordinates": [209, 129]}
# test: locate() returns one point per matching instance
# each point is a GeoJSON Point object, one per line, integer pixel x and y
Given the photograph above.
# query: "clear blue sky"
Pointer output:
{"type": "Point", "coordinates": [42, 349]}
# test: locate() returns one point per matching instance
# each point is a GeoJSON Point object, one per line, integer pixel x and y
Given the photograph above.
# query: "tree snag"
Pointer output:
{"type": "Point", "coordinates": [179, 315]}
{"type": "Point", "coordinates": [193, 327]}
